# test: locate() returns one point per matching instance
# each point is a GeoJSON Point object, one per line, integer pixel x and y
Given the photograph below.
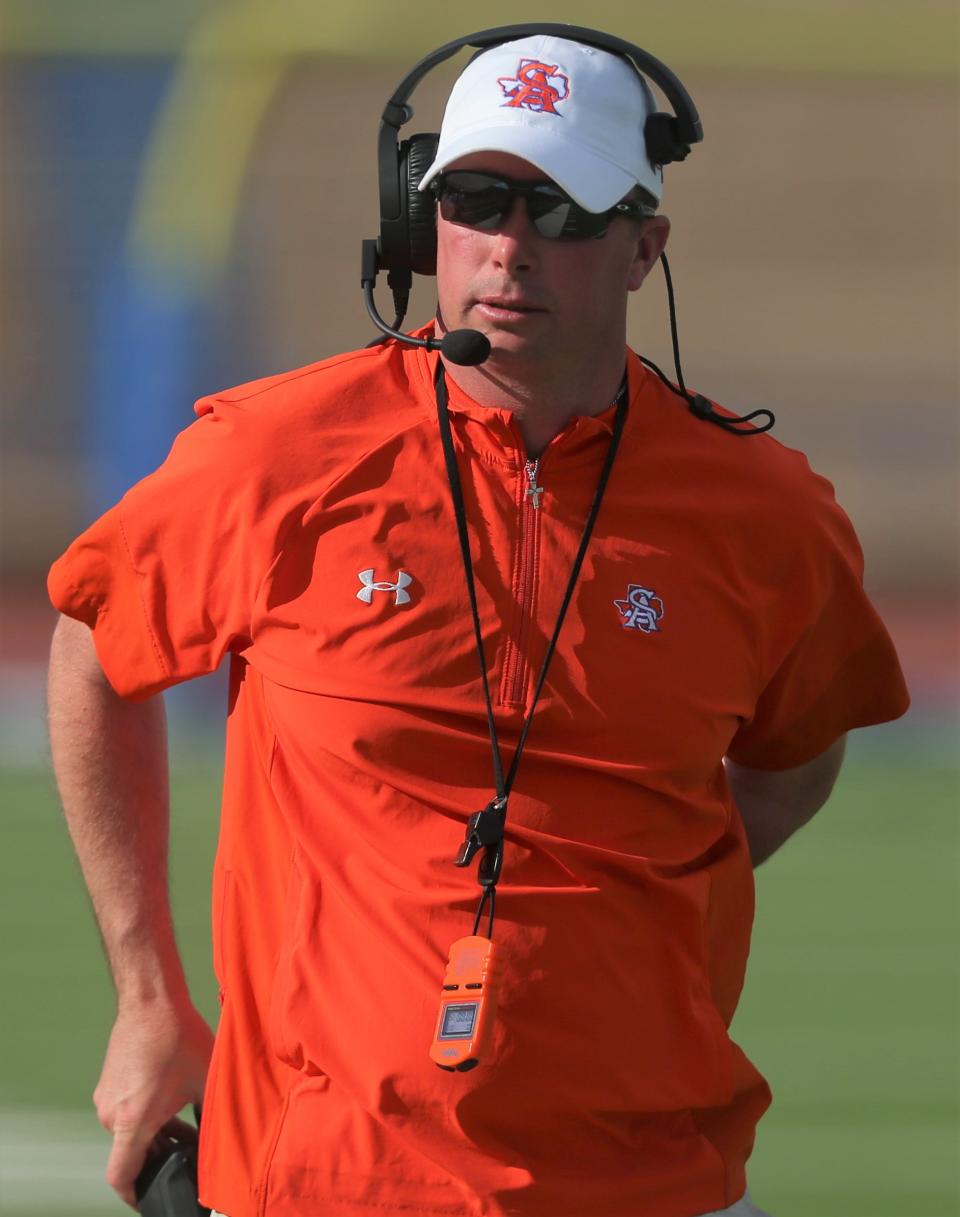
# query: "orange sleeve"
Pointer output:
{"type": "Point", "coordinates": [839, 670]}
{"type": "Point", "coordinates": [167, 579]}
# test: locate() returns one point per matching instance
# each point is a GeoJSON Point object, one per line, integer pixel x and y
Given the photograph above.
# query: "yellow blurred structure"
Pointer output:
{"type": "Point", "coordinates": [888, 37]}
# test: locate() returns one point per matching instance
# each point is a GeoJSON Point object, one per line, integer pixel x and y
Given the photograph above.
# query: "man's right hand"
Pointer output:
{"type": "Point", "coordinates": [156, 1064]}
{"type": "Point", "coordinates": [110, 758]}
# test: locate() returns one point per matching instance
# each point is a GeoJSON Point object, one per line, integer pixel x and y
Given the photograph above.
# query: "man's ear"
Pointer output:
{"type": "Point", "coordinates": [651, 242]}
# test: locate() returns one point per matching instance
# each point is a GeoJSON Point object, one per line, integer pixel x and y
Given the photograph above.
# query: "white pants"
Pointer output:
{"type": "Point", "coordinates": [743, 1208]}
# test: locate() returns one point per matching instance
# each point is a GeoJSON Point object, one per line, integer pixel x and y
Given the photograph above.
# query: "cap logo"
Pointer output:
{"type": "Point", "coordinates": [537, 86]}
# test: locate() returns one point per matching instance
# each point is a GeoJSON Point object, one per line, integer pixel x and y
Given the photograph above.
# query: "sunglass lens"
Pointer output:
{"type": "Point", "coordinates": [474, 199]}
{"type": "Point", "coordinates": [550, 212]}
{"type": "Point", "coordinates": [559, 218]}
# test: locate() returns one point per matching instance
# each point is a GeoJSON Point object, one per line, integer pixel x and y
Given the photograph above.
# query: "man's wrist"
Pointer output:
{"type": "Point", "coordinates": [148, 976]}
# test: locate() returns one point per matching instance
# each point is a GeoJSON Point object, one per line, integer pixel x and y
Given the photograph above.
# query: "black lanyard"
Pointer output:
{"type": "Point", "coordinates": [485, 828]}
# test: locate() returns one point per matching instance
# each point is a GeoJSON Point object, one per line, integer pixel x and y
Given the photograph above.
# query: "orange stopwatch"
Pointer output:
{"type": "Point", "coordinates": [468, 1005]}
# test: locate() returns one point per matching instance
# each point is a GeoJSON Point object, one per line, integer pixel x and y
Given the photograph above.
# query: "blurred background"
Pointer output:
{"type": "Point", "coordinates": [184, 191]}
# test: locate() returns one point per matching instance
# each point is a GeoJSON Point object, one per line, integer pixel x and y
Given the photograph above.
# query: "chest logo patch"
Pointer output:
{"type": "Point", "coordinates": [370, 585]}
{"type": "Point", "coordinates": [641, 610]}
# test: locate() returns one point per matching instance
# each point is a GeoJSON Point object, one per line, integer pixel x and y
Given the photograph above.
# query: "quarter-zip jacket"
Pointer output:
{"type": "Point", "coordinates": [303, 527]}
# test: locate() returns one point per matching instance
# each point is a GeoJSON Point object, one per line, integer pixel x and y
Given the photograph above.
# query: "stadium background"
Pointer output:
{"type": "Point", "coordinates": [184, 191]}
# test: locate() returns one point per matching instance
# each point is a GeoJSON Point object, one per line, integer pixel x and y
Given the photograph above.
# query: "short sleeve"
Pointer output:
{"type": "Point", "coordinates": [167, 578]}
{"type": "Point", "coordinates": [838, 669]}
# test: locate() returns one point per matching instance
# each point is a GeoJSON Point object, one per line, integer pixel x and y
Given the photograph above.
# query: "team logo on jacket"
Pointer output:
{"type": "Point", "coordinates": [537, 86]}
{"type": "Point", "coordinates": [642, 609]}
{"type": "Point", "coordinates": [370, 585]}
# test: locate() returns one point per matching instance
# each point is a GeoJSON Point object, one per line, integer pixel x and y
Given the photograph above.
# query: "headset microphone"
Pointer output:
{"type": "Point", "coordinates": [464, 347]}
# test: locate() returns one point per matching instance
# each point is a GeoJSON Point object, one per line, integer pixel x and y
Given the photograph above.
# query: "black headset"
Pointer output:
{"type": "Point", "coordinates": [407, 244]}
{"type": "Point", "coordinates": [408, 229]}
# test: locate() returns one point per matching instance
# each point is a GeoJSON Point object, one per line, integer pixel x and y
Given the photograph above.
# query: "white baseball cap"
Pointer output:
{"type": "Point", "coordinates": [574, 111]}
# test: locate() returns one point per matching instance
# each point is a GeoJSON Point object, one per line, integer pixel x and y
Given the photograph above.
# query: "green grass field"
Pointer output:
{"type": "Point", "coordinates": [851, 1006]}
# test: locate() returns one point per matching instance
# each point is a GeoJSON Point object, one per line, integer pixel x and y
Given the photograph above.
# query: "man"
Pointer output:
{"type": "Point", "coordinates": [716, 649]}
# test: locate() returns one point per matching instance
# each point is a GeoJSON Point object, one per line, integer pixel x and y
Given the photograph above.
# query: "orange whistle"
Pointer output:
{"type": "Point", "coordinates": [468, 1005]}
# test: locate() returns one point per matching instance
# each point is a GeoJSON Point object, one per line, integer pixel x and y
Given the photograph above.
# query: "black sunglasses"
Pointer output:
{"type": "Point", "coordinates": [484, 200]}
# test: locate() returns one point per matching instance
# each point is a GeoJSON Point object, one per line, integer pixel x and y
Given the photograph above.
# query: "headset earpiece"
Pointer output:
{"type": "Point", "coordinates": [417, 154]}
{"type": "Point", "coordinates": [662, 137]}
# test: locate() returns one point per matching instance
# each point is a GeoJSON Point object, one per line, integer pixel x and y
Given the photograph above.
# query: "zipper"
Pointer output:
{"type": "Point", "coordinates": [516, 663]}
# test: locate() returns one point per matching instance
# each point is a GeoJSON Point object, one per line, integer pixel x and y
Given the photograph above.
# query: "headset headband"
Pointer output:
{"type": "Point", "coordinates": [668, 137]}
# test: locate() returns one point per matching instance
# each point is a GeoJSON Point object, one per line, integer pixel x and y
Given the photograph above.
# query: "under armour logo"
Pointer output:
{"type": "Point", "coordinates": [641, 610]}
{"type": "Point", "coordinates": [370, 585]}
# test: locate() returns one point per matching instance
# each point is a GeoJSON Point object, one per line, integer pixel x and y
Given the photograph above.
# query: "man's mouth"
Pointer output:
{"type": "Point", "coordinates": [507, 306]}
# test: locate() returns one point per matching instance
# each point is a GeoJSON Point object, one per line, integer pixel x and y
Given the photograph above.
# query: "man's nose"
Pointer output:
{"type": "Point", "coordinates": [516, 239]}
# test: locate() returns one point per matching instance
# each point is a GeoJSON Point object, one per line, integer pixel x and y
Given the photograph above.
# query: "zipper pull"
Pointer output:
{"type": "Point", "coordinates": [533, 491]}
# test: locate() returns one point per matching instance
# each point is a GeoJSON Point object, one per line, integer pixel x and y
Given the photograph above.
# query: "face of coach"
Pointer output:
{"type": "Point", "coordinates": [547, 109]}
{"type": "Point", "coordinates": [551, 309]}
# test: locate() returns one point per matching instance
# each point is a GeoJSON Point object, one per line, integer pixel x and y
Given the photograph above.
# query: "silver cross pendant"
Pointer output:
{"type": "Point", "coordinates": [533, 491]}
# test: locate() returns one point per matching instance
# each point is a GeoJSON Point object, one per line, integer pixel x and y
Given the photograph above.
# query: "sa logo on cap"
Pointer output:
{"type": "Point", "coordinates": [537, 86]}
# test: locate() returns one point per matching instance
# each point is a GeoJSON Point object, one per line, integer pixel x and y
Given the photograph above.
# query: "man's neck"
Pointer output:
{"type": "Point", "coordinates": [543, 402]}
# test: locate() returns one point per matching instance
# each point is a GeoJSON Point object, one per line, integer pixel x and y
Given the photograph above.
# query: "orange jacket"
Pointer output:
{"type": "Point", "coordinates": [303, 525]}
